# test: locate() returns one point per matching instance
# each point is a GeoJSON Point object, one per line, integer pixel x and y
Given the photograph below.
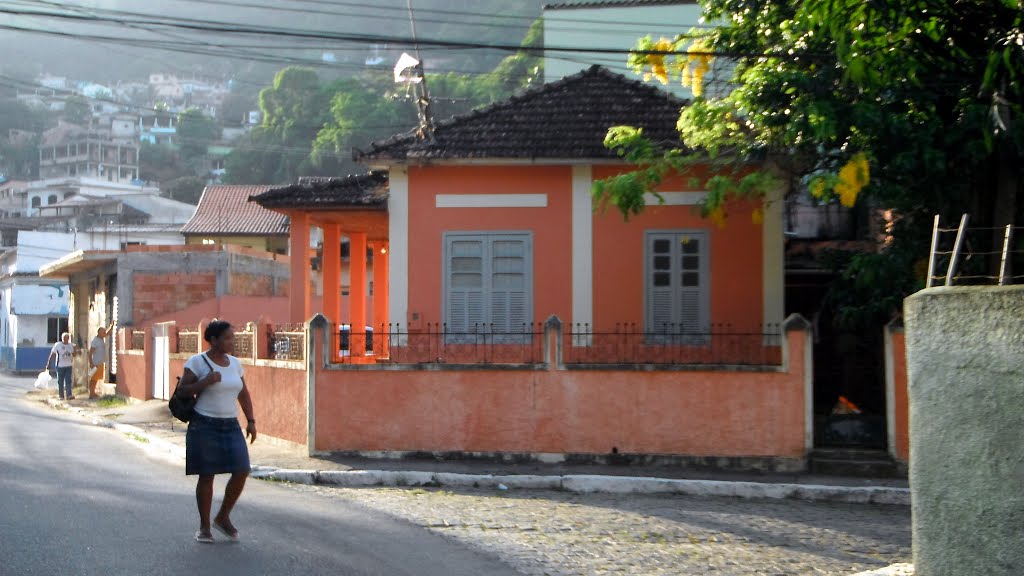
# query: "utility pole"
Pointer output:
{"type": "Point", "coordinates": [426, 116]}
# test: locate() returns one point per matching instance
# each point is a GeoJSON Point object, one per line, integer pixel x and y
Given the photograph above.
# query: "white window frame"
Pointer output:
{"type": "Point", "coordinates": [488, 237]}
{"type": "Point", "coordinates": [688, 335]}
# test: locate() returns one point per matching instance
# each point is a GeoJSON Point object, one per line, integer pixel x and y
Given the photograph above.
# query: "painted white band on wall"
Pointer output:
{"type": "Point", "coordinates": [675, 198]}
{"type": "Point", "coordinates": [491, 201]}
{"type": "Point", "coordinates": [582, 250]}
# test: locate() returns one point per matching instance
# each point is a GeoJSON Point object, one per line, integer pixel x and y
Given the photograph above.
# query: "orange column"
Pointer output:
{"type": "Point", "coordinates": [298, 287]}
{"type": "Point", "coordinates": [332, 282]}
{"type": "Point", "coordinates": [381, 329]}
{"type": "Point", "coordinates": [357, 296]}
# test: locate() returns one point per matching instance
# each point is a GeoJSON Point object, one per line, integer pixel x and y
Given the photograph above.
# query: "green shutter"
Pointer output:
{"type": "Point", "coordinates": [677, 298]}
{"type": "Point", "coordinates": [488, 285]}
{"type": "Point", "coordinates": [464, 272]}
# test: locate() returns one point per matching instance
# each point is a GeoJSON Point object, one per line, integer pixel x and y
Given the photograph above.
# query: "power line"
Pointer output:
{"type": "Point", "coordinates": [229, 28]}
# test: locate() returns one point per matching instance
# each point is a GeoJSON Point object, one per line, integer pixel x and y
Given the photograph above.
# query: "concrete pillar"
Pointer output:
{"type": "Point", "coordinates": [298, 289]}
{"type": "Point", "coordinates": [332, 279]}
{"type": "Point", "coordinates": [357, 296]}
{"type": "Point", "coordinates": [380, 300]}
{"type": "Point", "coordinates": [965, 348]}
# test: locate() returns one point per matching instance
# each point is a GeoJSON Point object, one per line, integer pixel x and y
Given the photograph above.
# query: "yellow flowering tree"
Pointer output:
{"type": "Point", "coordinates": [914, 106]}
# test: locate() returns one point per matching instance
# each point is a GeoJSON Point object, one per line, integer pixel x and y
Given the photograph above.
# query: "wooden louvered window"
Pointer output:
{"type": "Point", "coordinates": [488, 287]}
{"type": "Point", "coordinates": [677, 288]}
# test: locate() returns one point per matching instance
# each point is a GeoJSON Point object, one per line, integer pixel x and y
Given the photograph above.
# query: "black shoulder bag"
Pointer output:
{"type": "Point", "coordinates": [183, 405]}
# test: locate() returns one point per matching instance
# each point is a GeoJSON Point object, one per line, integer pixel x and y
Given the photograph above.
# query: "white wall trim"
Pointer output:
{"type": "Point", "coordinates": [491, 201]}
{"type": "Point", "coordinates": [774, 262]}
{"type": "Point", "coordinates": [675, 198]}
{"type": "Point", "coordinates": [398, 241]}
{"type": "Point", "coordinates": [808, 389]}
{"type": "Point", "coordinates": [582, 248]}
{"type": "Point", "coordinates": [890, 391]}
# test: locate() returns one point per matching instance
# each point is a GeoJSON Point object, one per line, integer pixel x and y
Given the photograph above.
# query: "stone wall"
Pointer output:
{"type": "Point", "coordinates": [965, 354]}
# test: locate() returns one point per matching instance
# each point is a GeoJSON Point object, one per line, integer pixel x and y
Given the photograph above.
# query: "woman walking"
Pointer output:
{"type": "Point", "coordinates": [214, 443]}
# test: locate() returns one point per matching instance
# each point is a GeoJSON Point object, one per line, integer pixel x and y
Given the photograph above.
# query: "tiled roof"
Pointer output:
{"type": "Point", "coordinates": [566, 119]}
{"type": "Point", "coordinates": [615, 4]}
{"type": "Point", "coordinates": [362, 191]}
{"type": "Point", "coordinates": [226, 211]}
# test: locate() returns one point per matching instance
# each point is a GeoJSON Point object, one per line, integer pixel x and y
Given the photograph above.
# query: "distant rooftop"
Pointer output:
{"type": "Point", "coordinates": [361, 191]}
{"type": "Point", "coordinates": [226, 211]}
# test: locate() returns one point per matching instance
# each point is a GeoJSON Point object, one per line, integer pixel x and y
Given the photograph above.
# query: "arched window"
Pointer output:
{"type": "Point", "coordinates": [51, 200]}
{"type": "Point", "coordinates": [36, 201]}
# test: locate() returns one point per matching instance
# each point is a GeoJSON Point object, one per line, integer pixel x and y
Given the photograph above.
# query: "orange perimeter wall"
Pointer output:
{"type": "Point", "coordinates": [901, 405]}
{"type": "Point", "coordinates": [707, 413]}
{"type": "Point", "coordinates": [278, 392]}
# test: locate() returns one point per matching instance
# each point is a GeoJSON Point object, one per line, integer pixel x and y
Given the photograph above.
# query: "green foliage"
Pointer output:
{"type": "Point", "coordinates": [360, 113]}
{"type": "Point", "coordinates": [927, 92]}
{"type": "Point", "coordinates": [310, 128]}
{"type": "Point", "coordinates": [77, 110]}
{"type": "Point", "coordinates": [158, 163]}
{"type": "Point", "coordinates": [19, 156]}
{"type": "Point", "coordinates": [196, 131]}
{"type": "Point", "coordinates": [184, 189]}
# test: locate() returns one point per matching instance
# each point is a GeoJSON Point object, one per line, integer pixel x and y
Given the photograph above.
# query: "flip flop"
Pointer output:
{"type": "Point", "coordinates": [233, 536]}
{"type": "Point", "coordinates": [204, 538]}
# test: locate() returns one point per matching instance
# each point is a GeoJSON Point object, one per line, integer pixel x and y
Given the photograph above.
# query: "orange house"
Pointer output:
{"type": "Point", "coordinates": [491, 226]}
{"type": "Point", "coordinates": [669, 335]}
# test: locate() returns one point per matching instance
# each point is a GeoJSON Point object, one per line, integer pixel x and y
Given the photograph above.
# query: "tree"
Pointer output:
{"type": "Point", "coordinates": [196, 131]}
{"type": "Point", "coordinates": [77, 110]}
{"type": "Point", "coordinates": [159, 163]}
{"type": "Point", "coordinates": [360, 113]}
{"type": "Point", "coordinates": [293, 110]}
{"type": "Point", "coordinates": [184, 189]}
{"type": "Point", "coordinates": [19, 156]}
{"type": "Point", "coordinates": [914, 106]}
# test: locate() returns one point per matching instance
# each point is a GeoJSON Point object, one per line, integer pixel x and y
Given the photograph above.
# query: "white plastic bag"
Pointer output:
{"type": "Point", "coordinates": [43, 381]}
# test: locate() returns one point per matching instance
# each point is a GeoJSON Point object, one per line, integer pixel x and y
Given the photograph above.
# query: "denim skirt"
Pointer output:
{"type": "Point", "coordinates": [215, 446]}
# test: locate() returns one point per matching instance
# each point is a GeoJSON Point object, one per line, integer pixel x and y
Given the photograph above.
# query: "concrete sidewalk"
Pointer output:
{"type": "Point", "coordinates": [151, 423]}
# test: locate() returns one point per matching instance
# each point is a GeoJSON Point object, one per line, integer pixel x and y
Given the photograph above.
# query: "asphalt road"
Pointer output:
{"type": "Point", "coordinates": [78, 500]}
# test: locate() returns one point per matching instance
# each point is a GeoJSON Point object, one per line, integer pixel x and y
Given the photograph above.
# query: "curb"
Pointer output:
{"type": "Point", "coordinates": [580, 484]}
{"type": "Point", "coordinates": [894, 570]}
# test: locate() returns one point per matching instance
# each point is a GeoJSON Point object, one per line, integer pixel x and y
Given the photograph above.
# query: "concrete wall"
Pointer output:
{"type": "Point", "coordinates": [965, 347]}
{"type": "Point", "coordinates": [155, 283]}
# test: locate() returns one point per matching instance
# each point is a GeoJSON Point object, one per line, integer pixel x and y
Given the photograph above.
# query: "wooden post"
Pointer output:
{"type": "Point", "coordinates": [931, 254]}
{"type": "Point", "coordinates": [956, 250]}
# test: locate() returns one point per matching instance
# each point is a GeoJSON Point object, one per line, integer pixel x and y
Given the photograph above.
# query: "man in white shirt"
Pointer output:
{"type": "Point", "coordinates": [64, 354]}
{"type": "Point", "coordinates": [98, 358]}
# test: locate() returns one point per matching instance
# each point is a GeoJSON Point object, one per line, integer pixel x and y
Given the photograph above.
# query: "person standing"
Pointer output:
{"type": "Point", "coordinates": [214, 443]}
{"type": "Point", "coordinates": [62, 356]}
{"type": "Point", "coordinates": [98, 358]}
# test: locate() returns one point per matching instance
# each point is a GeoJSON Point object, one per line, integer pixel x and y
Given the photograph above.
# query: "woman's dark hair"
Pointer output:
{"type": "Point", "coordinates": [215, 329]}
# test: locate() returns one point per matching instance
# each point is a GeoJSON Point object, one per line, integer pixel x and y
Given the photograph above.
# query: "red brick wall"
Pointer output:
{"type": "Point", "coordinates": [250, 285]}
{"type": "Point", "coordinates": [158, 294]}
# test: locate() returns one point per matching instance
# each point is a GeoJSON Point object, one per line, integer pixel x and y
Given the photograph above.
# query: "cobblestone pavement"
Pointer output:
{"type": "Point", "coordinates": [556, 533]}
